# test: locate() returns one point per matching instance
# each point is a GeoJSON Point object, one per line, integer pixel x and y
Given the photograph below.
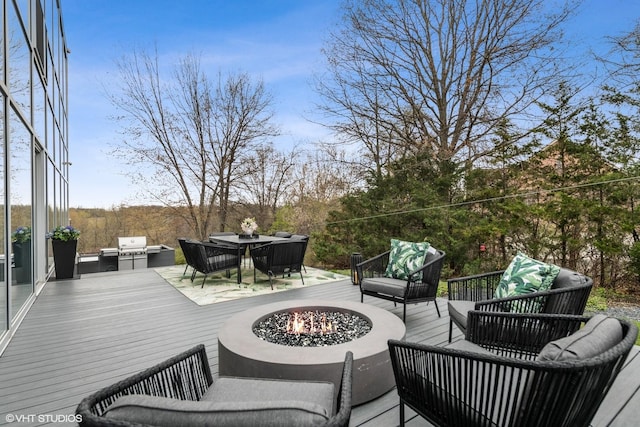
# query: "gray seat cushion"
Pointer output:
{"type": "Point", "coordinates": [599, 334]}
{"type": "Point", "coordinates": [234, 402]}
{"type": "Point", "coordinates": [385, 285]}
{"type": "Point", "coordinates": [223, 259]}
{"type": "Point", "coordinates": [458, 310]}
{"type": "Point", "coordinates": [238, 389]}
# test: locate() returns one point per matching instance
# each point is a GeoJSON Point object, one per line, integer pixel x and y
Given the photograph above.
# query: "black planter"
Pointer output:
{"type": "Point", "coordinates": [20, 251]}
{"type": "Point", "coordinates": [22, 261]}
{"type": "Point", "coordinates": [64, 257]}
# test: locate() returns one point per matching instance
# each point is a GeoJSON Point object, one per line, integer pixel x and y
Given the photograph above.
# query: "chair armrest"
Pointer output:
{"type": "Point", "coordinates": [261, 250]}
{"type": "Point", "coordinates": [478, 287]}
{"type": "Point", "coordinates": [520, 335]}
{"type": "Point", "coordinates": [372, 267]}
{"type": "Point", "coordinates": [574, 298]}
{"type": "Point", "coordinates": [343, 413]}
{"type": "Point", "coordinates": [186, 376]}
{"type": "Point", "coordinates": [214, 249]}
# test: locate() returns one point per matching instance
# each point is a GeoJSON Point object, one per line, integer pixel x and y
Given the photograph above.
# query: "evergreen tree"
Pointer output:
{"type": "Point", "coordinates": [564, 165]}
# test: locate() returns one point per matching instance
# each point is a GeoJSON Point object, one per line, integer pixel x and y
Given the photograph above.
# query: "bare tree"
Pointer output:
{"type": "Point", "coordinates": [623, 60]}
{"type": "Point", "coordinates": [320, 178]}
{"type": "Point", "coordinates": [323, 176]}
{"type": "Point", "coordinates": [437, 76]}
{"type": "Point", "coordinates": [186, 136]}
{"type": "Point", "coordinates": [240, 121]}
{"type": "Point", "coordinates": [267, 181]}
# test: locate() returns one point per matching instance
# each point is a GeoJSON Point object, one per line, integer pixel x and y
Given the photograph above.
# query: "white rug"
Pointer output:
{"type": "Point", "coordinates": [219, 288]}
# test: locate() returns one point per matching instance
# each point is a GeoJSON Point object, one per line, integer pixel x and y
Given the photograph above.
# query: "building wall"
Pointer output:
{"type": "Point", "coordinates": [34, 150]}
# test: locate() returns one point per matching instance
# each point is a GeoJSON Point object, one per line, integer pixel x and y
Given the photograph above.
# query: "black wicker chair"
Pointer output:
{"type": "Point", "coordinates": [304, 237]}
{"type": "Point", "coordinates": [279, 257]}
{"type": "Point", "coordinates": [242, 248]}
{"type": "Point", "coordinates": [421, 285]}
{"type": "Point", "coordinates": [187, 257]}
{"type": "Point", "coordinates": [287, 235]}
{"type": "Point", "coordinates": [568, 295]}
{"type": "Point", "coordinates": [209, 258]}
{"type": "Point", "coordinates": [500, 378]}
{"type": "Point", "coordinates": [181, 392]}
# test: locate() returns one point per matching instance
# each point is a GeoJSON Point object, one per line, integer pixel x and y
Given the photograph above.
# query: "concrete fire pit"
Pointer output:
{"type": "Point", "coordinates": [241, 353]}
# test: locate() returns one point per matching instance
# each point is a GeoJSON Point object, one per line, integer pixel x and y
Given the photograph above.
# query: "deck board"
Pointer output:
{"type": "Point", "coordinates": [84, 334]}
{"type": "Point", "coordinates": [621, 407]}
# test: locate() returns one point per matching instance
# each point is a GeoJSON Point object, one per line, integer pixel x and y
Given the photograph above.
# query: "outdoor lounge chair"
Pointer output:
{"type": "Point", "coordinates": [516, 369]}
{"type": "Point", "coordinates": [279, 257]}
{"type": "Point", "coordinates": [304, 237]}
{"type": "Point", "coordinates": [181, 392]}
{"type": "Point", "coordinates": [421, 284]}
{"type": "Point", "coordinates": [568, 295]}
{"type": "Point", "coordinates": [187, 257]}
{"type": "Point", "coordinates": [209, 258]}
{"type": "Point", "coordinates": [287, 235]}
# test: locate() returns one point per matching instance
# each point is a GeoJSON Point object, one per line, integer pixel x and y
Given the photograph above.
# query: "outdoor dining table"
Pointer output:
{"type": "Point", "coordinates": [241, 244]}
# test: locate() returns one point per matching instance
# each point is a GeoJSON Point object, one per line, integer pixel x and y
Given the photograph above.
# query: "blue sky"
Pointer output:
{"type": "Point", "coordinates": [278, 41]}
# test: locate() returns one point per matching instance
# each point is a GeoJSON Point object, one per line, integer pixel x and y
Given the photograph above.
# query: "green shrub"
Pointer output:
{"type": "Point", "coordinates": [443, 290]}
{"type": "Point", "coordinates": [596, 303]}
{"type": "Point", "coordinates": [179, 256]}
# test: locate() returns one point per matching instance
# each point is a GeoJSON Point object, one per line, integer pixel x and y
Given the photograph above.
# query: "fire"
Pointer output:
{"type": "Point", "coordinates": [297, 325]}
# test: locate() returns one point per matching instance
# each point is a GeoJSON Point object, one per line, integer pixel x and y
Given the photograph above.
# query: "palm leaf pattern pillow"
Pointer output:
{"type": "Point", "coordinates": [405, 257]}
{"type": "Point", "coordinates": [523, 276]}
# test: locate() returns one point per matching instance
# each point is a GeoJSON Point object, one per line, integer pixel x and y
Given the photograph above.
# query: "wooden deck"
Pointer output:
{"type": "Point", "coordinates": [84, 334]}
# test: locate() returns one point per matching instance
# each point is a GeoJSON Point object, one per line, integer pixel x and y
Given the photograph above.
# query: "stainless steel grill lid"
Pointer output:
{"type": "Point", "coordinates": [136, 244]}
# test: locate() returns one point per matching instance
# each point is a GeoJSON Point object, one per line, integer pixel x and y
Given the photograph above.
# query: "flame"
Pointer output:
{"type": "Point", "coordinates": [296, 325]}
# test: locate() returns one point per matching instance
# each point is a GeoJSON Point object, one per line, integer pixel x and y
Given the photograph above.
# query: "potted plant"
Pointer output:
{"type": "Point", "coordinates": [65, 243]}
{"type": "Point", "coordinates": [21, 245]}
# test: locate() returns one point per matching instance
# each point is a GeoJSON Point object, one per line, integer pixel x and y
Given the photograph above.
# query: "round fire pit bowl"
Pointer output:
{"type": "Point", "coordinates": [242, 354]}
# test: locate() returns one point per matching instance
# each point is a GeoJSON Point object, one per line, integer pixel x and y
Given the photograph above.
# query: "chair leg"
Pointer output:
{"type": "Point", "coordinates": [205, 278]}
{"type": "Point", "coordinates": [185, 269]}
{"type": "Point", "coordinates": [404, 312]}
{"type": "Point", "coordinates": [302, 278]}
{"type": "Point", "coordinates": [450, 327]}
{"type": "Point", "coordinates": [401, 413]}
{"type": "Point", "coordinates": [437, 309]}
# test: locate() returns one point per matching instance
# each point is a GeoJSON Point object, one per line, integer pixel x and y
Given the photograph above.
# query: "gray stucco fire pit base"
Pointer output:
{"type": "Point", "coordinates": [241, 353]}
